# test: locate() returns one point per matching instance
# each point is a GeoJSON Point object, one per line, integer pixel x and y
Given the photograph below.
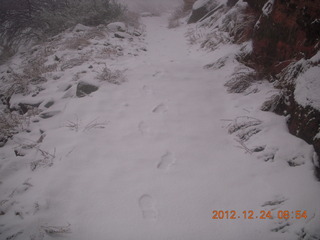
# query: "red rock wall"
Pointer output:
{"type": "Point", "coordinates": [290, 33]}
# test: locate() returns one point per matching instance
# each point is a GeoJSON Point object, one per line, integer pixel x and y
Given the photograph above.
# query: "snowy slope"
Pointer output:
{"type": "Point", "coordinates": [153, 157]}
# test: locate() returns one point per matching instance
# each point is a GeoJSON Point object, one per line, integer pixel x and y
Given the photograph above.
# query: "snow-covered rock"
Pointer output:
{"type": "Point", "coordinates": [80, 28]}
{"type": "Point", "coordinates": [307, 91]}
{"type": "Point", "coordinates": [122, 35]}
{"type": "Point", "coordinates": [268, 7]}
{"type": "Point", "coordinates": [117, 27]}
{"type": "Point", "coordinates": [203, 7]}
{"type": "Point", "coordinates": [84, 88]}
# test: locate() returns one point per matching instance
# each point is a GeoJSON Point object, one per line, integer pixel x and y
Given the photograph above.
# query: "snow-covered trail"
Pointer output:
{"type": "Point", "coordinates": [164, 161]}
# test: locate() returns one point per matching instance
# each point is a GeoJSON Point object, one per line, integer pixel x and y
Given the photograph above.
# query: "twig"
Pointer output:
{"type": "Point", "coordinates": [243, 146]}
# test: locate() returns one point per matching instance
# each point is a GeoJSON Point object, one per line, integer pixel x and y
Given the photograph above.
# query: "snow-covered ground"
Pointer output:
{"type": "Point", "coordinates": [153, 157]}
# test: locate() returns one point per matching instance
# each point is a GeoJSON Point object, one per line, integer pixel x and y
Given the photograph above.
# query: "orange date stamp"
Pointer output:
{"type": "Point", "coordinates": [250, 214]}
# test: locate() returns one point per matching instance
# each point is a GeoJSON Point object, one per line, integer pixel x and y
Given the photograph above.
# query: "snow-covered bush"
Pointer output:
{"type": "Point", "coordinates": [241, 80]}
{"type": "Point", "coordinates": [10, 124]}
{"type": "Point", "coordinates": [223, 26]}
{"type": "Point", "coordinates": [35, 20]}
{"type": "Point", "coordinates": [114, 77]}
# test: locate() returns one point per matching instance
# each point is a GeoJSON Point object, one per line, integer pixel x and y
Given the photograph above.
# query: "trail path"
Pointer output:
{"type": "Point", "coordinates": [165, 159]}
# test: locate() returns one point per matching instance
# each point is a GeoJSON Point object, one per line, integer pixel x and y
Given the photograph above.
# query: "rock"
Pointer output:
{"type": "Point", "coordinates": [117, 27]}
{"type": "Point", "coordinates": [231, 3]}
{"type": "Point", "coordinates": [290, 32]}
{"type": "Point", "coordinates": [80, 28]}
{"type": "Point", "coordinates": [20, 152]}
{"type": "Point", "coordinates": [74, 62]}
{"type": "Point", "coordinates": [49, 104]}
{"type": "Point", "coordinates": [83, 89]}
{"type": "Point", "coordinates": [122, 35]}
{"type": "Point", "coordinates": [287, 32]}
{"type": "Point", "coordinates": [200, 9]}
{"type": "Point", "coordinates": [25, 107]}
{"type": "Point", "coordinates": [136, 33]}
{"type": "Point", "coordinates": [3, 141]}
{"type": "Point", "coordinates": [46, 115]}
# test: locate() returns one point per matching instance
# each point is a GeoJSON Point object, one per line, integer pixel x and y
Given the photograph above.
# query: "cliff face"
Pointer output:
{"type": "Point", "coordinates": [287, 30]}
{"type": "Point", "coordinates": [286, 35]}
{"type": "Point", "coordinates": [286, 48]}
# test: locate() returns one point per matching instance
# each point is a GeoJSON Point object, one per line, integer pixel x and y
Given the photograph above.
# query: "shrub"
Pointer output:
{"type": "Point", "coordinates": [24, 21]}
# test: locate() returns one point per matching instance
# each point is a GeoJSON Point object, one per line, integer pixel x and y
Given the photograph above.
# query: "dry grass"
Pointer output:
{"type": "Point", "coordinates": [56, 229]}
{"type": "Point", "coordinates": [241, 80]}
{"type": "Point", "coordinates": [74, 62]}
{"type": "Point", "coordinates": [272, 103]}
{"type": "Point", "coordinates": [115, 77]}
{"type": "Point", "coordinates": [245, 127]}
{"type": "Point", "coordinates": [195, 35]}
{"type": "Point", "coordinates": [221, 62]}
{"type": "Point", "coordinates": [76, 43]}
{"type": "Point", "coordinates": [76, 124]}
{"type": "Point", "coordinates": [95, 33]}
{"type": "Point", "coordinates": [9, 124]}
{"type": "Point", "coordinates": [108, 52]}
{"type": "Point", "coordinates": [46, 159]}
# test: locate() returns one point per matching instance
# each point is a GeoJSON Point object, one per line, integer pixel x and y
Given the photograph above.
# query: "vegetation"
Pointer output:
{"type": "Point", "coordinates": [25, 21]}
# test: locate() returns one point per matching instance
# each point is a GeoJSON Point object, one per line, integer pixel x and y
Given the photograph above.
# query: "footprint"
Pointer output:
{"type": "Point", "coordinates": [147, 89]}
{"type": "Point", "coordinates": [143, 128]}
{"type": "Point", "coordinates": [156, 73]}
{"type": "Point", "coordinates": [147, 207]}
{"type": "Point", "coordinates": [167, 161]}
{"type": "Point", "coordinates": [159, 108]}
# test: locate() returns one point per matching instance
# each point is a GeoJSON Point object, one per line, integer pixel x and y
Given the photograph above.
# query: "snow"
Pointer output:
{"type": "Point", "coordinates": [151, 158]}
{"type": "Point", "coordinates": [117, 26]}
{"type": "Point", "coordinates": [268, 7]}
{"type": "Point", "coordinates": [308, 87]}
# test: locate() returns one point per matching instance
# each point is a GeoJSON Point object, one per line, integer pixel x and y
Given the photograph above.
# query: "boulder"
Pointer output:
{"type": "Point", "coordinates": [122, 35]}
{"type": "Point", "coordinates": [50, 114]}
{"type": "Point", "coordinates": [200, 9]}
{"type": "Point", "coordinates": [83, 89]}
{"type": "Point", "coordinates": [25, 107]}
{"type": "Point", "coordinates": [117, 27]}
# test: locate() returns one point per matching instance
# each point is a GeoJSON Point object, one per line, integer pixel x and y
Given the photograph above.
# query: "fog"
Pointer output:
{"type": "Point", "coordinates": [153, 6]}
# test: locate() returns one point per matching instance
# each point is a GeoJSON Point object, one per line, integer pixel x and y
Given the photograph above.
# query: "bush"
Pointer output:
{"type": "Point", "coordinates": [24, 21]}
